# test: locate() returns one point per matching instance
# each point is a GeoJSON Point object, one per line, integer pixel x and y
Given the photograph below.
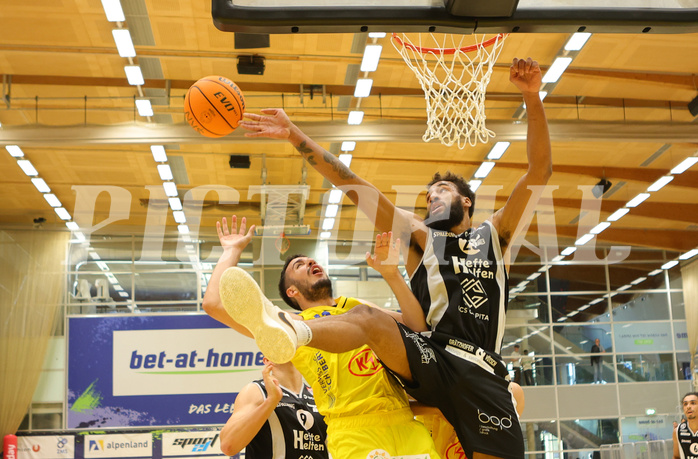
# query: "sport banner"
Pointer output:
{"type": "Point", "coordinates": [155, 370]}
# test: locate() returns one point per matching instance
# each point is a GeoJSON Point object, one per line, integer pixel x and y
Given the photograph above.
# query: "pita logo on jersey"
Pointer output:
{"type": "Point", "coordinates": [455, 451]}
{"type": "Point", "coordinates": [470, 246]}
{"type": "Point", "coordinates": [197, 444]}
{"type": "Point", "coordinates": [365, 363]}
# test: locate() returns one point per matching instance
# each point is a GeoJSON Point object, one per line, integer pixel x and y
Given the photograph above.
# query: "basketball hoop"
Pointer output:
{"type": "Point", "coordinates": [282, 243]}
{"type": "Point", "coordinates": [454, 81]}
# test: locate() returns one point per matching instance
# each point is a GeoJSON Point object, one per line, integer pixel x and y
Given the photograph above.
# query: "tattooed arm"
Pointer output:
{"type": "Point", "coordinates": [275, 124]}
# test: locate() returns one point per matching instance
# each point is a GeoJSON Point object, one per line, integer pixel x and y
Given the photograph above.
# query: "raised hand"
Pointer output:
{"type": "Point", "coordinates": [274, 392]}
{"type": "Point", "coordinates": [386, 254]}
{"type": "Point", "coordinates": [231, 238]}
{"type": "Point", "coordinates": [274, 124]}
{"type": "Point", "coordinates": [525, 74]}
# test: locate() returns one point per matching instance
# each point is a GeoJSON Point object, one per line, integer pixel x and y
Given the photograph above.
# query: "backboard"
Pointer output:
{"type": "Point", "coordinates": [455, 16]}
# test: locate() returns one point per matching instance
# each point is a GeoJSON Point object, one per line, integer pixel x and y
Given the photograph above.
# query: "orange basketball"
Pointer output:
{"type": "Point", "coordinates": [214, 106]}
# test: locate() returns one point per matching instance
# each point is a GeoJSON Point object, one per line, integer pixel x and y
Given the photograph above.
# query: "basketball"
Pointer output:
{"type": "Point", "coordinates": [214, 106]}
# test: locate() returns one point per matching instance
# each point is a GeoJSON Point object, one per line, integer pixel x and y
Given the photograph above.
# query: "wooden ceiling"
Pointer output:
{"type": "Point", "coordinates": [619, 112]}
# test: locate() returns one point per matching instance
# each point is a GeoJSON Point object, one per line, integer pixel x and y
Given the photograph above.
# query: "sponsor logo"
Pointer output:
{"type": "Point", "coordinates": [470, 246]}
{"type": "Point", "coordinates": [307, 441]}
{"type": "Point", "coordinates": [36, 448]}
{"type": "Point", "coordinates": [492, 423]}
{"type": "Point", "coordinates": [365, 363]}
{"type": "Point", "coordinates": [694, 448]}
{"type": "Point", "coordinates": [96, 445]}
{"type": "Point", "coordinates": [427, 353]}
{"type": "Point", "coordinates": [305, 418]}
{"type": "Point", "coordinates": [195, 444]}
{"type": "Point", "coordinates": [455, 451]}
{"type": "Point", "coordinates": [378, 454]}
{"type": "Point", "coordinates": [11, 450]}
{"type": "Point", "coordinates": [118, 445]}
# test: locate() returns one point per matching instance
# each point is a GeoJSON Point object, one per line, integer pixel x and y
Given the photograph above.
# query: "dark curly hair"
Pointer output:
{"type": "Point", "coordinates": [461, 185]}
{"type": "Point", "coordinates": [282, 283]}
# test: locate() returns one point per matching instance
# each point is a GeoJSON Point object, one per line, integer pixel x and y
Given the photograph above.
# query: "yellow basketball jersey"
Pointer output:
{"type": "Point", "coordinates": [351, 383]}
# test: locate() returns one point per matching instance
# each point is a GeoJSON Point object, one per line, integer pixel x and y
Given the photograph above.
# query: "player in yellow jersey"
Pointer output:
{"type": "Point", "coordinates": [366, 410]}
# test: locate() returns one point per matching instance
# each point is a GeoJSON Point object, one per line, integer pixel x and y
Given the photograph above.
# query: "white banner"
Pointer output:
{"type": "Point", "coordinates": [46, 447]}
{"type": "Point", "coordinates": [185, 361]}
{"type": "Point", "coordinates": [191, 443]}
{"type": "Point", "coordinates": [643, 337]}
{"type": "Point", "coordinates": [119, 445]}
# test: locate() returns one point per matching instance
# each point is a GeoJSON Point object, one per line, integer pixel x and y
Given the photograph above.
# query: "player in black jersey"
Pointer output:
{"type": "Point", "coordinates": [452, 338]}
{"type": "Point", "coordinates": [686, 434]}
{"type": "Point", "coordinates": [276, 417]}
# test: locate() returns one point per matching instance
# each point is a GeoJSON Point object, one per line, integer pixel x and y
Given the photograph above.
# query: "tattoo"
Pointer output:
{"type": "Point", "coordinates": [343, 171]}
{"type": "Point", "coordinates": [311, 160]}
{"type": "Point", "coordinates": [303, 148]}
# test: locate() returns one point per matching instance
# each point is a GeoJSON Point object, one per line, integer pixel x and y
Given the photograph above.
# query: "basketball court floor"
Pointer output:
{"type": "Point", "coordinates": [97, 147]}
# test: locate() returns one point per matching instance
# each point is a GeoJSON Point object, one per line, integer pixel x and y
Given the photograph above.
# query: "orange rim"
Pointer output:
{"type": "Point", "coordinates": [465, 49]}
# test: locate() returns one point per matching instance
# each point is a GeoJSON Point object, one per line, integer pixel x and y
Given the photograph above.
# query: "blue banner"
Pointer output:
{"type": "Point", "coordinates": [157, 370]}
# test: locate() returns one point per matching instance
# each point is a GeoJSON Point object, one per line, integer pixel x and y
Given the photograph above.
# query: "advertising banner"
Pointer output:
{"type": "Point", "coordinates": [46, 447]}
{"type": "Point", "coordinates": [118, 445]}
{"type": "Point", "coordinates": [155, 370]}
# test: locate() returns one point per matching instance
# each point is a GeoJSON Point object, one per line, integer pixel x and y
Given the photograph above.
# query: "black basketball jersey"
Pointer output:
{"type": "Point", "coordinates": [461, 283]}
{"type": "Point", "coordinates": [688, 441]}
{"type": "Point", "coordinates": [295, 430]}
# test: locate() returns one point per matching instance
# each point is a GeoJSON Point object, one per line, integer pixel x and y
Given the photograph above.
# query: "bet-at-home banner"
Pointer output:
{"type": "Point", "coordinates": [155, 370]}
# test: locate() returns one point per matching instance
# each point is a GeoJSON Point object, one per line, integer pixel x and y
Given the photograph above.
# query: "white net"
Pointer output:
{"type": "Point", "coordinates": [454, 78]}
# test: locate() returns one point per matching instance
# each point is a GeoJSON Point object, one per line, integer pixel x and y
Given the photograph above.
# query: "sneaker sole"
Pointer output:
{"type": "Point", "coordinates": [245, 303]}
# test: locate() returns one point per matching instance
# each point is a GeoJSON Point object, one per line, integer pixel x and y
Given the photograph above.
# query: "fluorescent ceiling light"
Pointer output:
{"type": "Point", "coordinates": [93, 255]}
{"type": "Point", "coordinates": [498, 150]}
{"type": "Point", "coordinates": [41, 185]}
{"type": "Point", "coordinates": [27, 167]}
{"type": "Point", "coordinates": [372, 54]}
{"type": "Point", "coordinates": [598, 300]}
{"type": "Point", "coordinates": [159, 154]}
{"type": "Point", "coordinates": [124, 44]}
{"type": "Point", "coordinates": [72, 226]}
{"type": "Point", "coordinates": [134, 75]}
{"type": "Point", "coordinates": [144, 107]}
{"type": "Point", "coordinates": [670, 264]}
{"type": "Point", "coordinates": [14, 151]}
{"type": "Point", "coordinates": [376, 34]}
{"type": "Point", "coordinates": [522, 284]}
{"type": "Point", "coordinates": [558, 258]}
{"type": "Point", "coordinates": [111, 278]}
{"type": "Point", "coordinates": [79, 236]}
{"type": "Point", "coordinates": [355, 117]}
{"type": "Point", "coordinates": [179, 216]}
{"type": "Point", "coordinates": [577, 41]}
{"type": "Point", "coordinates": [103, 266]}
{"type": "Point", "coordinates": [542, 94]}
{"type": "Point", "coordinates": [118, 288]}
{"type": "Point", "coordinates": [615, 216]}
{"type": "Point", "coordinates": [600, 227]}
{"type": "Point", "coordinates": [584, 239]}
{"type": "Point", "coordinates": [655, 272]}
{"type": "Point", "coordinates": [363, 87]}
{"type": "Point", "coordinates": [534, 276]}
{"type": "Point", "coordinates": [325, 234]}
{"type": "Point", "coordinates": [170, 188]}
{"type": "Point", "coordinates": [562, 319]}
{"type": "Point", "coordinates": [52, 200]}
{"type": "Point", "coordinates": [625, 287]}
{"type": "Point", "coordinates": [584, 308]}
{"type": "Point", "coordinates": [183, 229]}
{"type": "Point", "coordinates": [568, 251]}
{"type": "Point", "coordinates": [659, 184]}
{"type": "Point", "coordinates": [113, 10]}
{"type": "Point", "coordinates": [689, 254]}
{"type": "Point", "coordinates": [62, 213]}
{"type": "Point", "coordinates": [639, 280]}
{"type": "Point", "coordinates": [557, 69]}
{"type": "Point", "coordinates": [123, 294]}
{"type": "Point", "coordinates": [327, 224]}
{"type": "Point", "coordinates": [335, 196]}
{"type": "Point", "coordinates": [165, 172]}
{"type": "Point", "coordinates": [685, 165]}
{"type": "Point", "coordinates": [175, 204]}
{"type": "Point", "coordinates": [484, 169]}
{"type": "Point", "coordinates": [348, 145]}
{"type": "Point", "coordinates": [637, 200]}
{"type": "Point", "coordinates": [331, 210]}
{"type": "Point", "coordinates": [474, 185]}
{"type": "Point", "coordinates": [345, 159]}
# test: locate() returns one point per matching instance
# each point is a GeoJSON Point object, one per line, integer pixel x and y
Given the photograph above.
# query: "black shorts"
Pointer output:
{"type": "Point", "coordinates": [468, 385]}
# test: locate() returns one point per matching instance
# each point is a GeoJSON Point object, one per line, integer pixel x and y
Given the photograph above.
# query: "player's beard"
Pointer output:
{"type": "Point", "coordinates": [320, 290]}
{"type": "Point", "coordinates": [452, 216]}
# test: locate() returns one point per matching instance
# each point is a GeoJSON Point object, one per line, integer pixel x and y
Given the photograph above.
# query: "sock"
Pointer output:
{"type": "Point", "coordinates": [303, 332]}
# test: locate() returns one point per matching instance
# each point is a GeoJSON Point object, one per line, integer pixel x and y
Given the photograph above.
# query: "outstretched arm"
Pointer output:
{"type": "Point", "coordinates": [233, 243]}
{"type": "Point", "coordinates": [526, 76]}
{"type": "Point", "coordinates": [385, 260]}
{"type": "Point", "coordinates": [275, 124]}
{"type": "Point", "coordinates": [250, 413]}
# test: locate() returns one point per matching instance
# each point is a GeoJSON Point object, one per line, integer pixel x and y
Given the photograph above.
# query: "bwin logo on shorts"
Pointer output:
{"type": "Point", "coordinates": [488, 421]}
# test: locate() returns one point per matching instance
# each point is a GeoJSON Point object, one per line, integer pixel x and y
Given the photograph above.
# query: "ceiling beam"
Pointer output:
{"type": "Point", "coordinates": [336, 131]}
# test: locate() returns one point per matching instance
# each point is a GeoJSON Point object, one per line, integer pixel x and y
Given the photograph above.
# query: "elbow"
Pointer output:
{"type": "Point", "coordinates": [229, 446]}
{"type": "Point", "coordinates": [208, 306]}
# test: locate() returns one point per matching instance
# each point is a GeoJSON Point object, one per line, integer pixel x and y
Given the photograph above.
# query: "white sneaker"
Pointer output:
{"type": "Point", "coordinates": [271, 327]}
